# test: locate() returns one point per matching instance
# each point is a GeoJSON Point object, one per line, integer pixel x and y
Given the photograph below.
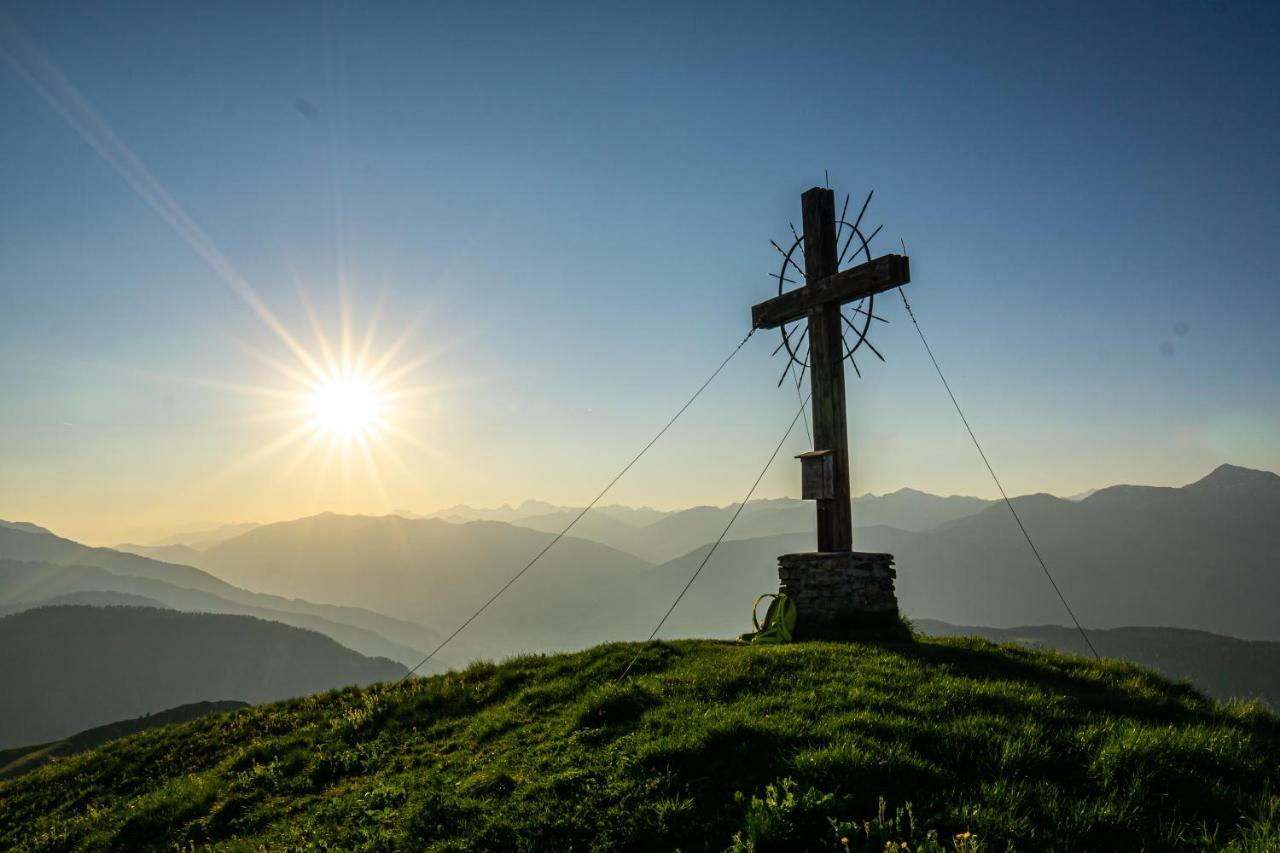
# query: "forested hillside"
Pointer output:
{"type": "Point", "coordinates": [65, 669]}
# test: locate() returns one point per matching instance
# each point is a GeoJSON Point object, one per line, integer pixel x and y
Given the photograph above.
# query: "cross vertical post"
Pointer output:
{"type": "Point", "coordinates": [826, 373]}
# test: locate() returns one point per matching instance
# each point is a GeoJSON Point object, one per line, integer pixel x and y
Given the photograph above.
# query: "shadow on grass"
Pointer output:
{"type": "Point", "coordinates": [1082, 681]}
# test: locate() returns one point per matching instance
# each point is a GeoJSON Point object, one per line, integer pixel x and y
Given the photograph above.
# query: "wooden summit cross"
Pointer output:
{"type": "Point", "coordinates": [826, 289]}
{"type": "Point", "coordinates": [838, 592]}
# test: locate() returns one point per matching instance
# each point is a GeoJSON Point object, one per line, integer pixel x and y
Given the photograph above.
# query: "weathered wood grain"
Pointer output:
{"type": "Point", "coordinates": [826, 374]}
{"type": "Point", "coordinates": [875, 276]}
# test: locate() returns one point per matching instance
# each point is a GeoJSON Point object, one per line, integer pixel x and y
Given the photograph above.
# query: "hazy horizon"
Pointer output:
{"type": "Point", "coordinates": [146, 536]}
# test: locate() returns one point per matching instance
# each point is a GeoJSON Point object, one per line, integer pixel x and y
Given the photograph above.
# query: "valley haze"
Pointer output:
{"type": "Point", "coordinates": [393, 587]}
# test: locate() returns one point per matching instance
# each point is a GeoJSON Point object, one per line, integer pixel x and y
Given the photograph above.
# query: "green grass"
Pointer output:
{"type": "Point", "coordinates": [941, 744]}
{"type": "Point", "coordinates": [24, 759]}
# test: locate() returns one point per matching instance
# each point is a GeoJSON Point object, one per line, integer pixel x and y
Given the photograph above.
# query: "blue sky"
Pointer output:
{"type": "Point", "coordinates": [577, 201]}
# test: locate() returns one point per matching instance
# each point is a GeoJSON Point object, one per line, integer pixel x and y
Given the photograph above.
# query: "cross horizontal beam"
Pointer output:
{"type": "Point", "coordinates": [876, 276]}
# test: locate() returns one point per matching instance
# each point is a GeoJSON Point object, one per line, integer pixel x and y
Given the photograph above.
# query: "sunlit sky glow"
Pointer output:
{"type": "Point", "coordinates": [263, 261]}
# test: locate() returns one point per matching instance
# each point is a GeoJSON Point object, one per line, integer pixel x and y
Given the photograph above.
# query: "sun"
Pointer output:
{"type": "Point", "coordinates": [346, 406]}
{"type": "Point", "coordinates": [347, 402]}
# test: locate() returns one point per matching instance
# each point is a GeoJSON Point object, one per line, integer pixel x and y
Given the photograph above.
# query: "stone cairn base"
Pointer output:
{"type": "Point", "coordinates": [840, 595]}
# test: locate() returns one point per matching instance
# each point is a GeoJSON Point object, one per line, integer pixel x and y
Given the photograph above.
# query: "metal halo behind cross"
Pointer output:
{"type": "Point", "coordinates": [855, 248]}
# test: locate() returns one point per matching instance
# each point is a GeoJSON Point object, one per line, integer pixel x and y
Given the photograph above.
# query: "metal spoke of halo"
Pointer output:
{"type": "Point", "coordinates": [857, 321]}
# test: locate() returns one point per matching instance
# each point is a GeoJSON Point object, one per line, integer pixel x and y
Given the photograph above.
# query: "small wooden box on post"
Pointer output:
{"type": "Point", "coordinates": [839, 593]}
{"type": "Point", "coordinates": [817, 475]}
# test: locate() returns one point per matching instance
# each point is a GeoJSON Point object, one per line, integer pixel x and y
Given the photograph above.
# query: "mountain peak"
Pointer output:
{"type": "Point", "coordinates": [535, 506]}
{"type": "Point", "coordinates": [25, 526]}
{"type": "Point", "coordinates": [1236, 478]}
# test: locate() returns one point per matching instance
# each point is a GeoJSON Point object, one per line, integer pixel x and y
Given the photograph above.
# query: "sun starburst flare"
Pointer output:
{"type": "Point", "coordinates": [347, 405]}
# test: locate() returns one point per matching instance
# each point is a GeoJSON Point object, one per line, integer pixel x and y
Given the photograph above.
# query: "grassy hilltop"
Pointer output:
{"type": "Point", "coordinates": [708, 746]}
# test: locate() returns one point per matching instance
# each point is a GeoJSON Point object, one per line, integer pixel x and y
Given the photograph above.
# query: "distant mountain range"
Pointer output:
{"type": "Point", "coordinates": [1203, 556]}
{"type": "Point", "coordinates": [67, 668]}
{"type": "Point", "coordinates": [655, 536]}
{"type": "Point", "coordinates": [906, 508]}
{"type": "Point", "coordinates": [200, 539]}
{"type": "Point", "coordinates": [40, 568]}
{"type": "Point", "coordinates": [658, 536]}
{"type": "Point", "coordinates": [437, 572]}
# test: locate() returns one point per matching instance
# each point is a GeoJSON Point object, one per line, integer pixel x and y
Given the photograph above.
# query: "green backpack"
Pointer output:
{"type": "Point", "coordinates": [779, 621]}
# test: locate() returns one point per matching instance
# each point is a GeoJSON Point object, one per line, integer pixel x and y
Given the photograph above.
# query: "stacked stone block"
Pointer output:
{"type": "Point", "coordinates": [839, 594]}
